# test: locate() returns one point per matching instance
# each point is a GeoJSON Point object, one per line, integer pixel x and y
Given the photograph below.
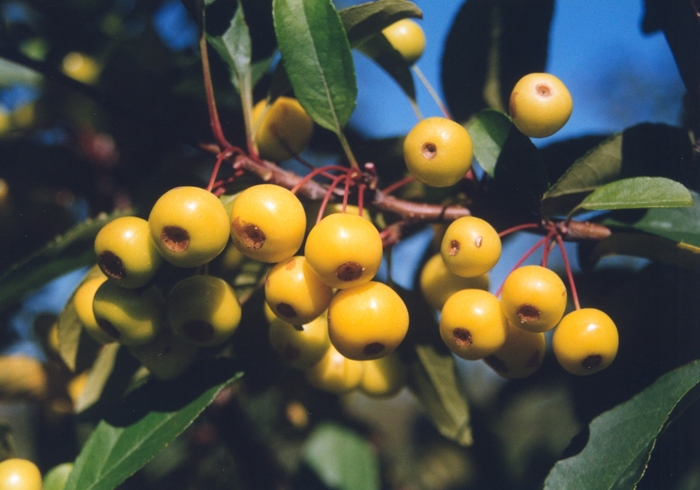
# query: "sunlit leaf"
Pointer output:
{"type": "Point", "coordinates": [142, 424]}
{"type": "Point", "coordinates": [234, 47]}
{"type": "Point", "coordinates": [621, 439]}
{"type": "Point", "coordinates": [489, 130]}
{"type": "Point", "coordinates": [316, 55]}
{"type": "Point", "coordinates": [639, 192]}
{"type": "Point", "coordinates": [367, 19]}
{"type": "Point", "coordinates": [341, 458]}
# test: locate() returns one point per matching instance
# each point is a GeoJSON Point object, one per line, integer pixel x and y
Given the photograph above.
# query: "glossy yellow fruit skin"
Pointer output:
{"type": "Point", "coordinates": [300, 346]}
{"type": "Point", "coordinates": [345, 250]}
{"type": "Point", "coordinates": [437, 283]}
{"type": "Point", "coordinates": [540, 105]}
{"type": "Point", "coordinates": [585, 341]}
{"type": "Point", "coordinates": [335, 373]}
{"type": "Point", "coordinates": [166, 357]}
{"type": "Point", "coordinates": [368, 321]}
{"type": "Point", "coordinates": [520, 356]}
{"type": "Point", "coordinates": [189, 226]}
{"type": "Point", "coordinates": [19, 474]}
{"type": "Point", "coordinates": [286, 126]}
{"type": "Point", "coordinates": [203, 310]}
{"type": "Point", "coordinates": [126, 253]}
{"type": "Point", "coordinates": [268, 223]}
{"type": "Point", "coordinates": [82, 301]}
{"type": "Point", "coordinates": [470, 247]}
{"type": "Point", "coordinates": [438, 152]}
{"type": "Point", "coordinates": [129, 316]}
{"type": "Point", "coordinates": [472, 324]}
{"type": "Point", "coordinates": [406, 37]}
{"type": "Point", "coordinates": [384, 377]}
{"type": "Point", "coordinates": [533, 298]}
{"type": "Point", "coordinates": [295, 293]}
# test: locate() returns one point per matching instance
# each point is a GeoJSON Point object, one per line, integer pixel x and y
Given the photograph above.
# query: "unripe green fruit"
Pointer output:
{"type": "Point", "coordinates": [268, 223]}
{"type": "Point", "coordinates": [19, 474]}
{"type": "Point", "coordinates": [126, 253]}
{"type": "Point", "coordinates": [203, 310]}
{"type": "Point", "coordinates": [585, 341]}
{"type": "Point", "coordinates": [406, 37]}
{"type": "Point", "coordinates": [345, 250]}
{"type": "Point", "coordinates": [335, 373]}
{"type": "Point", "coordinates": [470, 247]}
{"type": "Point", "coordinates": [166, 357]}
{"type": "Point", "coordinates": [520, 356]}
{"type": "Point", "coordinates": [129, 316]}
{"type": "Point", "coordinates": [540, 105]}
{"type": "Point", "coordinates": [368, 321]}
{"type": "Point", "coordinates": [301, 346]}
{"type": "Point", "coordinates": [533, 298]}
{"type": "Point", "coordinates": [295, 293]}
{"type": "Point", "coordinates": [82, 301]}
{"type": "Point", "coordinates": [472, 324]}
{"type": "Point", "coordinates": [285, 130]}
{"type": "Point", "coordinates": [437, 283]}
{"type": "Point", "coordinates": [438, 152]}
{"type": "Point", "coordinates": [189, 226]}
{"type": "Point", "coordinates": [384, 377]}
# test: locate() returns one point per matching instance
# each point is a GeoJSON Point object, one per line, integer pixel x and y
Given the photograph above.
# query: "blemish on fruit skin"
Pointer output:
{"type": "Point", "coordinates": [111, 265]}
{"type": "Point", "coordinates": [462, 337]}
{"type": "Point", "coordinates": [592, 361]}
{"type": "Point", "coordinates": [478, 241]}
{"type": "Point", "coordinates": [496, 363]}
{"type": "Point", "coordinates": [108, 328]}
{"type": "Point", "coordinates": [373, 349]}
{"type": "Point", "coordinates": [454, 248]}
{"type": "Point", "coordinates": [349, 271]}
{"type": "Point", "coordinates": [250, 235]}
{"type": "Point", "coordinates": [527, 313]}
{"type": "Point", "coordinates": [175, 238]}
{"type": "Point", "coordinates": [198, 331]}
{"type": "Point", "coordinates": [429, 150]}
{"type": "Point", "coordinates": [286, 310]}
{"type": "Point", "coordinates": [534, 361]}
{"type": "Point", "coordinates": [290, 265]}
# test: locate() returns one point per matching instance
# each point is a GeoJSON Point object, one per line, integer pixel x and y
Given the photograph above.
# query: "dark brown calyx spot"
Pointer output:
{"type": "Point", "coordinates": [462, 337]}
{"type": "Point", "coordinates": [108, 328]}
{"type": "Point", "coordinates": [592, 362]}
{"type": "Point", "coordinates": [175, 238]}
{"type": "Point", "coordinates": [534, 361]}
{"type": "Point", "coordinates": [349, 271]}
{"type": "Point", "coordinates": [429, 150]}
{"type": "Point", "coordinates": [373, 349]}
{"type": "Point", "coordinates": [111, 265]}
{"type": "Point", "coordinates": [198, 331]}
{"type": "Point", "coordinates": [250, 235]}
{"type": "Point", "coordinates": [496, 363]}
{"type": "Point", "coordinates": [454, 248]}
{"type": "Point", "coordinates": [527, 313]}
{"type": "Point", "coordinates": [291, 353]}
{"type": "Point", "coordinates": [286, 310]}
{"type": "Point", "coordinates": [543, 89]}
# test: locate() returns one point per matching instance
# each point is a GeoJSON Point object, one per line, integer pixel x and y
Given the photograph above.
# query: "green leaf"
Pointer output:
{"type": "Point", "coordinates": [380, 50]}
{"type": "Point", "coordinates": [316, 55]}
{"type": "Point", "coordinates": [341, 458]}
{"type": "Point", "coordinates": [639, 192]}
{"type": "Point", "coordinates": [489, 130]}
{"type": "Point", "coordinates": [363, 21]}
{"type": "Point", "coordinates": [144, 423]}
{"type": "Point", "coordinates": [235, 47]}
{"type": "Point", "coordinates": [57, 477]}
{"type": "Point", "coordinates": [65, 253]}
{"type": "Point", "coordinates": [621, 439]}
{"type": "Point", "coordinates": [653, 150]}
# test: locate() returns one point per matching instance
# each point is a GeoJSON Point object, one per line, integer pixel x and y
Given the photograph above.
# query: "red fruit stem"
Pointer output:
{"type": "Point", "coordinates": [328, 195]}
{"type": "Point", "coordinates": [398, 184]}
{"type": "Point", "coordinates": [524, 257]}
{"type": "Point", "coordinates": [361, 198]}
{"type": "Point", "coordinates": [569, 274]}
{"type": "Point", "coordinates": [230, 151]}
{"type": "Point", "coordinates": [209, 89]}
{"type": "Point", "coordinates": [318, 171]}
{"type": "Point", "coordinates": [524, 226]}
{"type": "Point", "coordinates": [547, 248]}
{"type": "Point", "coordinates": [346, 193]}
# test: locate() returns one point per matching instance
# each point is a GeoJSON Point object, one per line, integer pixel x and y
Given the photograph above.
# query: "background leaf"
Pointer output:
{"type": "Point", "coordinates": [317, 58]}
{"type": "Point", "coordinates": [342, 458]}
{"type": "Point", "coordinates": [621, 438]}
{"type": "Point", "coordinates": [639, 192]}
{"type": "Point", "coordinates": [141, 425]}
